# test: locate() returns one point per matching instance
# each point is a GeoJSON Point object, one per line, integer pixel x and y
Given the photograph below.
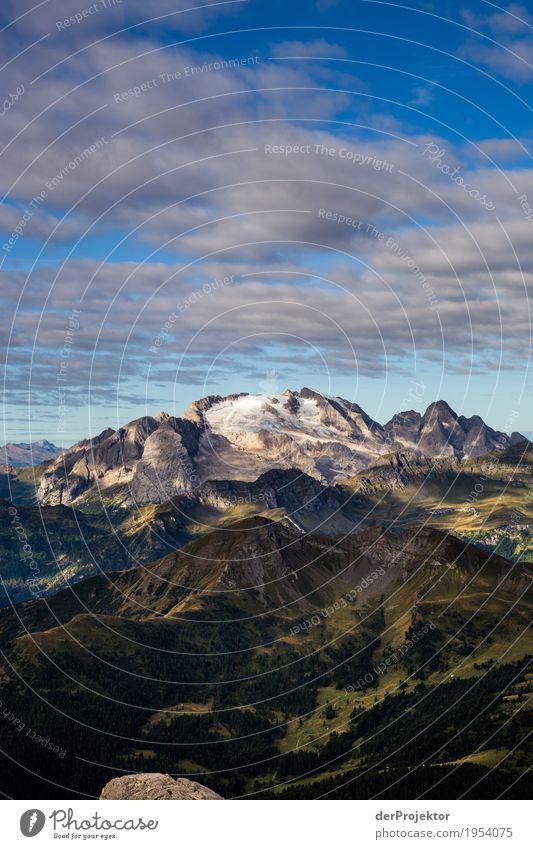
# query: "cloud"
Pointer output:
{"type": "Point", "coordinates": [326, 5]}
{"type": "Point", "coordinates": [506, 150]}
{"type": "Point", "coordinates": [515, 19]}
{"type": "Point", "coordinates": [318, 47]}
{"type": "Point", "coordinates": [422, 96]}
{"type": "Point", "coordinates": [502, 42]}
{"type": "Point", "coordinates": [220, 166]}
{"type": "Point", "coordinates": [27, 18]}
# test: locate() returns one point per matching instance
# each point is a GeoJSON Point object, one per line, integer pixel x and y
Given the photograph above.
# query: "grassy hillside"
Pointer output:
{"type": "Point", "coordinates": [264, 661]}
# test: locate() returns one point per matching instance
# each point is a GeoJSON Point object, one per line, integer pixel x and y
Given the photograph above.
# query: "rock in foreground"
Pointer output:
{"type": "Point", "coordinates": [155, 785]}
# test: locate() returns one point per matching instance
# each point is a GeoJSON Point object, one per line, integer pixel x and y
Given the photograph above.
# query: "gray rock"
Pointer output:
{"type": "Point", "coordinates": [155, 785]}
{"type": "Point", "coordinates": [241, 437]}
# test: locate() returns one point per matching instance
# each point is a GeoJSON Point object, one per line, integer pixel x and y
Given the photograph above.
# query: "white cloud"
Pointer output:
{"type": "Point", "coordinates": [502, 42]}
{"type": "Point", "coordinates": [317, 47]}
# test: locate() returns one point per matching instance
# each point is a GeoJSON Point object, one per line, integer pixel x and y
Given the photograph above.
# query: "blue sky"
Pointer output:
{"type": "Point", "coordinates": [249, 196]}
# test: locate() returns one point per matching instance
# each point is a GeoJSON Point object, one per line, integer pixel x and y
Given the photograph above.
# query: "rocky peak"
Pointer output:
{"type": "Point", "coordinates": [292, 403]}
{"type": "Point", "coordinates": [439, 411]}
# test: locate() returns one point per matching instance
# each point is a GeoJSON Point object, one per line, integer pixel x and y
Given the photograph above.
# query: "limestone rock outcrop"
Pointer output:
{"type": "Point", "coordinates": [155, 785]}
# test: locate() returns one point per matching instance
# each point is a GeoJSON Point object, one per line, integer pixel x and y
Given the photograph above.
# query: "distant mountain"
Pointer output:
{"type": "Point", "coordinates": [440, 432]}
{"type": "Point", "coordinates": [23, 454]}
{"type": "Point", "coordinates": [240, 437]}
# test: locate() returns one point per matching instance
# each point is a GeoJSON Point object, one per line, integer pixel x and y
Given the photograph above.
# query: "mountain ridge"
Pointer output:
{"type": "Point", "coordinates": [25, 454]}
{"type": "Point", "coordinates": [241, 436]}
{"type": "Point", "coordinates": [262, 656]}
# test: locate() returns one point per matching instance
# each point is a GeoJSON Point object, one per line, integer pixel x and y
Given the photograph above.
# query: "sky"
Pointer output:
{"type": "Point", "coordinates": [254, 195]}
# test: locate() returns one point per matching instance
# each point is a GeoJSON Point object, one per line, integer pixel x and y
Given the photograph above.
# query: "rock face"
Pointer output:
{"type": "Point", "coordinates": [440, 432]}
{"type": "Point", "coordinates": [241, 437]}
{"type": "Point", "coordinates": [146, 461]}
{"type": "Point", "coordinates": [155, 785]}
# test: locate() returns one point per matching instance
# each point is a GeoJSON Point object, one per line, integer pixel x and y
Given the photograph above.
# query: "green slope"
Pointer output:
{"type": "Point", "coordinates": [259, 658]}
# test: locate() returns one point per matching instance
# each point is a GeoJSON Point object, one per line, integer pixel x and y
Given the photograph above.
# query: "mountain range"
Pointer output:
{"type": "Point", "coordinates": [69, 542]}
{"type": "Point", "coordinates": [240, 437]}
{"type": "Point", "coordinates": [128, 496]}
{"type": "Point", "coordinates": [24, 454]}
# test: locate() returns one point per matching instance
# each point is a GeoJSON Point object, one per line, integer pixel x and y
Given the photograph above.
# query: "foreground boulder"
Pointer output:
{"type": "Point", "coordinates": [155, 785]}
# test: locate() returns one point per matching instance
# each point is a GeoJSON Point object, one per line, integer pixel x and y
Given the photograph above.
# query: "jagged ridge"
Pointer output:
{"type": "Point", "coordinates": [240, 437]}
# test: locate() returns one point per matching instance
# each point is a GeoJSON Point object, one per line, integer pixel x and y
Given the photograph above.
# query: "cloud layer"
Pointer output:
{"type": "Point", "coordinates": [140, 173]}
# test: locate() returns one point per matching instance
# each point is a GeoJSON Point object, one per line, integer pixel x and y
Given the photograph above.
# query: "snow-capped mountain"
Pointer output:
{"type": "Point", "coordinates": [325, 437]}
{"type": "Point", "coordinates": [240, 437]}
